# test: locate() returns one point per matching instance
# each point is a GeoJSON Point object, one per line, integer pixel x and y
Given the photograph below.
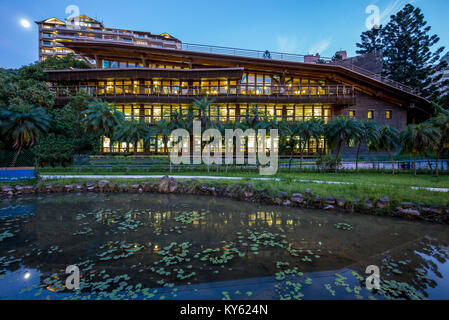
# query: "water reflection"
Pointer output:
{"type": "Point", "coordinates": [171, 247]}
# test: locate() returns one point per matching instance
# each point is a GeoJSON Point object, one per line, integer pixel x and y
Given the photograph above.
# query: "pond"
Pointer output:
{"type": "Point", "coordinates": [190, 247]}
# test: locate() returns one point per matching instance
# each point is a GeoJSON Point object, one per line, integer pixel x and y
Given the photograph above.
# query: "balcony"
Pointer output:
{"type": "Point", "coordinates": [336, 95]}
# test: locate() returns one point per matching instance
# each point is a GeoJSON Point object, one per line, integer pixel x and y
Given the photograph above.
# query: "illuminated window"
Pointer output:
{"type": "Point", "coordinates": [388, 114]}
{"type": "Point", "coordinates": [371, 114]}
{"type": "Point", "coordinates": [351, 114]}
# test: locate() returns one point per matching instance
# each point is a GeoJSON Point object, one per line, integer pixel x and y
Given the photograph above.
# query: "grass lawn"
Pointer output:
{"type": "Point", "coordinates": [366, 186]}
{"type": "Point", "coordinates": [405, 180]}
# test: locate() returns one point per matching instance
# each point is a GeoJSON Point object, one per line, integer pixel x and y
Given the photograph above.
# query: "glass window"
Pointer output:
{"type": "Point", "coordinates": [351, 114]}
{"type": "Point", "coordinates": [371, 114]}
{"type": "Point", "coordinates": [388, 114]}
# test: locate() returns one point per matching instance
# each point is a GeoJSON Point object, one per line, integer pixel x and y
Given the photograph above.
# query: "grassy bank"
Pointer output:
{"type": "Point", "coordinates": [404, 180]}
{"type": "Point", "coordinates": [396, 188]}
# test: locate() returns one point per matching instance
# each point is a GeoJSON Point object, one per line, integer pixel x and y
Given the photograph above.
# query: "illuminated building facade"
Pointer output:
{"type": "Point", "coordinates": [150, 83]}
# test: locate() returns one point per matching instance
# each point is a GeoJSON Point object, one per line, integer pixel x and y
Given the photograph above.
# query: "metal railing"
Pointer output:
{"type": "Point", "coordinates": [231, 90]}
{"type": "Point", "coordinates": [279, 56]}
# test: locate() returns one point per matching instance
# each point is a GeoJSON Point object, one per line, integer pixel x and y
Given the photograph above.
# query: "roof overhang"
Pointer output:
{"type": "Point", "coordinates": [94, 49]}
{"type": "Point", "coordinates": [144, 73]}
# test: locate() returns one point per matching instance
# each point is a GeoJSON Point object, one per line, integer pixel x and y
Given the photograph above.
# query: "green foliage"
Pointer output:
{"type": "Point", "coordinates": [132, 132]}
{"type": "Point", "coordinates": [371, 41]}
{"type": "Point", "coordinates": [101, 118]}
{"type": "Point", "coordinates": [327, 163]}
{"type": "Point", "coordinates": [22, 125]}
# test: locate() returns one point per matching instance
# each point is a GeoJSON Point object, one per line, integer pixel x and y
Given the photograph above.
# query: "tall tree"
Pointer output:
{"type": "Point", "coordinates": [341, 130]}
{"type": "Point", "coordinates": [408, 56]}
{"type": "Point", "coordinates": [132, 131]}
{"type": "Point", "coordinates": [371, 41]}
{"type": "Point", "coordinates": [417, 139]}
{"type": "Point", "coordinates": [368, 134]}
{"type": "Point", "coordinates": [22, 126]}
{"type": "Point", "coordinates": [387, 140]}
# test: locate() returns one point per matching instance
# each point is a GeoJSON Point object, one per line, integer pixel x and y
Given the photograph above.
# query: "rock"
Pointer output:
{"type": "Point", "coordinates": [297, 198]}
{"type": "Point", "coordinates": [282, 194]}
{"type": "Point", "coordinates": [90, 184]}
{"type": "Point", "coordinates": [330, 200]}
{"type": "Point", "coordinates": [28, 189]}
{"type": "Point", "coordinates": [329, 208]}
{"type": "Point", "coordinates": [164, 185]}
{"type": "Point", "coordinates": [383, 203]}
{"type": "Point", "coordinates": [49, 188]}
{"type": "Point", "coordinates": [79, 188]}
{"type": "Point", "coordinates": [148, 187]}
{"type": "Point", "coordinates": [18, 189]}
{"type": "Point", "coordinates": [287, 203]}
{"type": "Point", "coordinates": [434, 210]}
{"type": "Point", "coordinates": [103, 184]}
{"type": "Point", "coordinates": [409, 205]}
{"type": "Point", "coordinates": [68, 188]}
{"type": "Point", "coordinates": [410, 212]}
{"type": "Point", "coordinates": [123, 188]}
{"type": "Point", "coordinates": [277, 201]}
{"type": "Point", "coordinates": [341, 203]}
{"type": "Point", "coordinates": [7, 189]}
{"type": "Point", "coordinates": [173, 185]}
{"type": "Point", "coordinates": [317, 199]}
{"type": "Point", "coordinates": [369, 204]}
{"type": "Point", "coordinates": [308, 192]}
{"type": "Point", "coordinates": [248, 193]}
{"type": "Point", "coordinates": [135, 187]}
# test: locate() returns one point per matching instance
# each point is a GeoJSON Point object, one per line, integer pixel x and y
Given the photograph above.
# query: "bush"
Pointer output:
{"type": "Point", "coordinates": [328, 163]}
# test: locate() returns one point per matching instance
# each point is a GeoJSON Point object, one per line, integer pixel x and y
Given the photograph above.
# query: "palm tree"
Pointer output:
{"type": "Point", "coordinates": [289, 132]}
{"type": "Point", "coordinates": [23, 125]}
{"type": "Point", "coordinates": [441, 123]}
{"type": "Point", "coordinates": [387, 140]}
{"type": "Point", "coordinates": [310, 129]}
{"type": "Point", "coordinates": [368, 134]}
{"type": "Point", "coordinates": [341, 130]}
{"type": "Point", "coordinates": [102, 118]}
{"type": "Point", "coordinates": [203, 107]}
{"type": "Point", "coordinates": [132, 131]}
{"type": "Point", "coordinates": [417, 138]}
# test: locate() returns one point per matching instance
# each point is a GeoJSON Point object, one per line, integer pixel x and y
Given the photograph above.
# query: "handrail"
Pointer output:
{"type": "Point", "coordinates": [211, 90]}
{"type": "Point", "coordinates": [280, 56]}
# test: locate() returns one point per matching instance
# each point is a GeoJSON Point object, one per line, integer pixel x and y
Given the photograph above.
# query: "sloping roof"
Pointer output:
{"type": "Point", "coordinates": [51, 21]}
{"type": "Point", "coordinates": [124, 50]}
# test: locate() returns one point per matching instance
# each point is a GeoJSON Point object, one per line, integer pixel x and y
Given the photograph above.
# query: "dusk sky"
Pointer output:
{"type": "Point", "coordinates": [293, 26]}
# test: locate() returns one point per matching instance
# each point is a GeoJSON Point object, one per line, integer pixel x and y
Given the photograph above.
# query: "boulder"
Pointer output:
{"type": "Point", "coordinates": [317, 199]}
{"type": "Point", "coordinates": [248, 193]}
{"type": "Point", "coordinates": [135, 187]}
{"type": "Point", "coordinates": [287, 203]}
{"type": "Point", "coordinates": [341, 203]}
{"type": "Point", "coordinates": [277, 201]}
{"type": "Point", "coordinates": [434, 210]}
{"type": "Point", "coordinates": [409, 205]}
{"type": "Point", "coordinates": [7, 189]}
{"type": "Point", "coordinates": [369, 204]}
{"type": "Point", "coordinates": [329, 207]}
{"type": "Point", "coordinates": [173, 185]}
{"type": "Point", "coordinates": [79, 188]}
{"type": "Point", "coordinates": [282, 194]}
{"type": "Point", "coordinates": [68, 188]}
{"type": "Point", "coordinates": [297, 198]}
{"type": "Point", "coordinates": [164, 185]}
{"type": "Point", "coordinates": [330, 200]}
{"type": "Point", "coordinates": [383, 203]}
{"type": "Point", "coordinates": [308, 192]}
{"type": "Point", "coordinates": [410, 212]}
{"type": "Point", "coordinates": [18, 189]}
{"type": "Point", "coordinates": [123, 188]}
{"type": "Point", "coordinates": [103, 184]}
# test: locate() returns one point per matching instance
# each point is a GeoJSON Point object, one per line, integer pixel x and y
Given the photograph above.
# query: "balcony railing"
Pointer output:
{"type": "Point", "coordinates": [199, 91]}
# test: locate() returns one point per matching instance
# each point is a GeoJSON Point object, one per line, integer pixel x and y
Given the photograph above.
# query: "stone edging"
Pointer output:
{"type": "Point", "coordinates": [166, 185]}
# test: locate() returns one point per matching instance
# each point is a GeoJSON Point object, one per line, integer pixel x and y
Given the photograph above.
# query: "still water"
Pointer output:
{"type": "Point", "coordinates": [190, 247]}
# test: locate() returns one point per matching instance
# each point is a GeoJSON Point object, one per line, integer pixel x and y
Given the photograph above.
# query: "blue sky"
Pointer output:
{"type": "Point", "coordinates": [294, 26]}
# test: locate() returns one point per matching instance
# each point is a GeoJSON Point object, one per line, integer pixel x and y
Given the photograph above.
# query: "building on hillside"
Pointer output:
{"type": "Point", "coordinates": [52, 31]}
{"type": "Point", "coordinates": [150, 83]}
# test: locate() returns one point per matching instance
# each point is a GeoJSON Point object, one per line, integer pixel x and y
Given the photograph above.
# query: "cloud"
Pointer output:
{"type": "Point", "coordinates": [392, 8]}
{"type": "Point", "coordinates": [287, 44]}
{"type": "Point", "coordinates": [320, 46]}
